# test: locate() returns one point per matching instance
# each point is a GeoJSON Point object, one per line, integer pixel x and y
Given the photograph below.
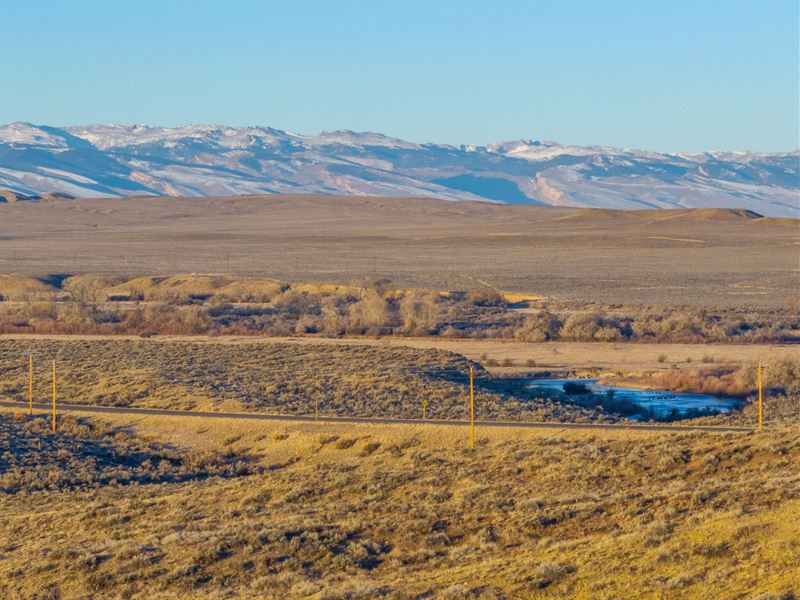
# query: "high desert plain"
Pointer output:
{"type": "Point", "coordinates": [271, 397]}
{"type": "Point", "coordinates": [400, 300]}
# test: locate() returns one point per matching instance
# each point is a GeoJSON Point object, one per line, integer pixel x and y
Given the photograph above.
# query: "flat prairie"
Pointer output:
{"type": "Point", "coordinates": [699, 256]}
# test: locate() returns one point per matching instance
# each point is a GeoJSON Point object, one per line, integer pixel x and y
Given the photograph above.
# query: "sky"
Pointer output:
{"type": "Point", "coordinates": [664, 76]}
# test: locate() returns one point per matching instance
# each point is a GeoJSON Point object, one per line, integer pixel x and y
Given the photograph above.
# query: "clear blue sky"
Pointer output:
{"type": "Point", "coordinates": [669, 76]}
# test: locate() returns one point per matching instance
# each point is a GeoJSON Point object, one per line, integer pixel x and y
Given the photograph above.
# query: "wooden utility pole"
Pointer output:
{"type": "Point", "coordinates": [760, 400]}
{"type": "Point", "coordinates": [30, 384]}
{"type": "Point", "coordinates": [471, 408]}
{"type": "Point", "coordinates": [54, 396]}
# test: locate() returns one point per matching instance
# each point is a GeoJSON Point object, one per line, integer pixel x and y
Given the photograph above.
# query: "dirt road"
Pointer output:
{"type": "Point", "coordinates": [72, 408]}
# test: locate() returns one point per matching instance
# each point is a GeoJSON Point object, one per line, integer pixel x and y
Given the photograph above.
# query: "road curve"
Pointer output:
{"type": "Point", "coordinates": [370, 420]}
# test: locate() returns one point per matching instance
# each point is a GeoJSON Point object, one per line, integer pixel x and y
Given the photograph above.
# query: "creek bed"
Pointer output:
{"type": "Point", "coordinates": [658, 403]}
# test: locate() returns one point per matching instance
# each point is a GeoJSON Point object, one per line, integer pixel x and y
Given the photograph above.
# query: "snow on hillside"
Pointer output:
{"type": "Point", "coordinates": [201, 160]}
{"type": "Point", "coordinates": [25, 133]}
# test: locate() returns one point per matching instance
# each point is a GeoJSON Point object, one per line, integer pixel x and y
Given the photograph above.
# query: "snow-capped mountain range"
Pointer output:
{"type": "Point", "coordinates": [212, 160]}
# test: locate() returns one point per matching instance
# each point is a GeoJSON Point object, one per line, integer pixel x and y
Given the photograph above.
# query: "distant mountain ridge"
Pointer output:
{"type": "Point", "coordinates": [213, 160]}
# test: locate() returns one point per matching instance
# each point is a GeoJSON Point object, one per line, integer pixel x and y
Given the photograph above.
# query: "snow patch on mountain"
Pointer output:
{"type": "Point", "coordinates": [29, 135]}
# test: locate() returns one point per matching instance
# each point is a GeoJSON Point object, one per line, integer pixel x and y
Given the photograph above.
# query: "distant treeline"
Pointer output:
{"type": "Point", "coordinates": [219, 305]}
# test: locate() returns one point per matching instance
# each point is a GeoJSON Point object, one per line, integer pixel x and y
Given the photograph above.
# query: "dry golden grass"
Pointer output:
{"type": "Point", "coordinates": [133, 288]}
{"type": "Point", "coordinates": [332, 511]}
{"type": "Point", "coordinates": [21, 288]}
{"type": "Point", "coordinates": [178, 288]}
{"type": "Point", "coordinates": [249, 290]}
